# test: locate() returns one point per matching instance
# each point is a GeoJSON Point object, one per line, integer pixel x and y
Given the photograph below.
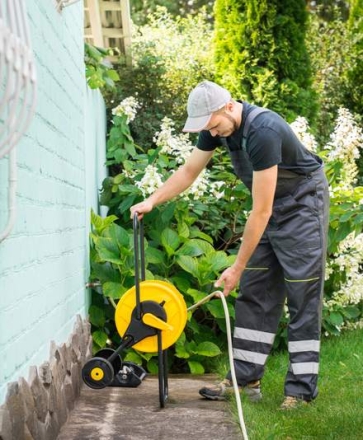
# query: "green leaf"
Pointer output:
{"type": "Point", "coordinates": [97, 316]}
{"type": "Point", "coordinates": [130, 148]}
{"type": "Point", "coordinates": [216, 309]}
{"type": "Point", "coordinates": [197, 233]}
{"type": "Point", "coordinates": [190, 248]}
{"type": "Point", "coordinates": [152, 366]}
{"type": "Point", "coordinates": [358, 220]}
{"type": "Point", "coordinates": [105, 272]}
{"type": "Point", "coordinates": [343, 231]}
{"type": "Point", "coordinates": [218, 261]}
{"type": "Point", "coordinates": [170, 240]}
{"type": "Point", "coordinates": [336, 319]}
{"type": "Point", "coordinates": [332, 329]}
{"type": "Point", "coordinates": [206, 247]}
{"type": "Point", "coordinates": [113, 290]}
{"type": "Point", "coordinates": [100, 223]}
{"type": "Point", "coordinates": [351, 312]}
{"type": "Point", "coordinates": [181, 353]}
{"type": "Point", "coordinates": [100, 338]}
{"type": "Point", "coordinates": [128, 189]}
{"type": "Point", "coordinates": [180, 348]}
{"type": "Point", "coordinates": [108, 250]}
{"type": "Point", "coordinates": [197, 295]}
{"type": "Point", "coordinates": [149, 275]}
{"type": "Point", "coordinates": [126, 203]}
{"type": "Point", "coordinates": [189, 264]}
{"type": "Point", "coordinates": [93, 52]}
{"type": "Point", "coordinates": [168, 213]}
{"type": "Point", "coordinates": [196, 247]}
{"type": "Point", "coordinates": [113, 75]}
{"type": "Point", "coordinates": [346, 216]}
{"type": "Point", "coordinates": [134, 357]}
{"type": "Point", "coordinates": [183, 230]}
{"type": "Point", "coordinates": [181, 283]}
{"type": "Point", "coordinates": [196, 367]}
{"type": "Point", "coordinates": [154, 256]}
{"type": "Point", "coordinates": [119, 235]}
{"type": "Point", "coordinates": [208, 349]}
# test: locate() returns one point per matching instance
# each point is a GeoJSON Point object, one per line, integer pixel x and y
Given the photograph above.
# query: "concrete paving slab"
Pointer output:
{"type": "Point", "coordinates": [135, 414]}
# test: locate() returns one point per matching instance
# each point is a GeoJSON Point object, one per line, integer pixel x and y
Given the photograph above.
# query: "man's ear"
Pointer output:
{"type": "Point", "coordinates": [229, 106]}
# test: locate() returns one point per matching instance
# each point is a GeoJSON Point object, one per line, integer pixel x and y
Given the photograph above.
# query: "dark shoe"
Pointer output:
{"type": "Point", "coordinates": [224, 389]}
{"type": "Point", "coordinates": [292, 402]}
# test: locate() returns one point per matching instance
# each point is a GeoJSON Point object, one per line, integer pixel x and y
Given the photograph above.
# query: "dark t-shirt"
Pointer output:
{"type": "Point", "coordinates": [270, 141]}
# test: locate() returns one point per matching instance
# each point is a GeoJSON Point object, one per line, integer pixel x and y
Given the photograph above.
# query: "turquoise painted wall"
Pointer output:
{"type": "Point", "coordinates": [44, 262]}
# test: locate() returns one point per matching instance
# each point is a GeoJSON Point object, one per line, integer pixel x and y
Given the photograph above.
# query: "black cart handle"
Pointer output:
{"type": "Point", "coordinates": [139, 255]}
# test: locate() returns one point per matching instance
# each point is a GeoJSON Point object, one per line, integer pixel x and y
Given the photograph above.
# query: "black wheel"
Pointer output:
{"type": "Point", "coordinates": [97, 373]}
{"type": "Point", "coordinates": [106, 353]}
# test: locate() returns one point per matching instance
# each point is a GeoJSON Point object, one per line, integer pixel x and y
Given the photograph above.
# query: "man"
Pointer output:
{"type": "Point", "coordinates": [282, 254]}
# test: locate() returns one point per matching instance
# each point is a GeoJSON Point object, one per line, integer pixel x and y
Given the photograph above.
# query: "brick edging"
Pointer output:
{"type": "Point", "coordinates": [37, 409]}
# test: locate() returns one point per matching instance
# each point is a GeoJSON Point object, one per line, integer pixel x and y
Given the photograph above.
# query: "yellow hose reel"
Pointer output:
{"type": "Point", "coordinates": [173, 304]}
{"type": "Point", "coordinates": [149, 317]}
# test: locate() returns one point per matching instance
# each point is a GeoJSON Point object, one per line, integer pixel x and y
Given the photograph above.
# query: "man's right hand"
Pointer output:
{"type": "Point", "coordinates": [141, 209]}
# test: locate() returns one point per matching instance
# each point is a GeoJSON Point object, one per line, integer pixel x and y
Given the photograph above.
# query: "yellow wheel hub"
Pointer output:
{"type": "Point", "coordinates": [173, 304]}
{"type": "Point", "coordinates": [97, 374]}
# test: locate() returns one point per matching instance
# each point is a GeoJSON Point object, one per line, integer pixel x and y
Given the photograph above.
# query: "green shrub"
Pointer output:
{"type": "Point", "coordinates": [329, 48]}
{"type": "Point", "coordinates": [354, 71]}
{"type": "Point", "coordinates": [261, 55]}
{"type": "Point", "coordinates": [355, 64]}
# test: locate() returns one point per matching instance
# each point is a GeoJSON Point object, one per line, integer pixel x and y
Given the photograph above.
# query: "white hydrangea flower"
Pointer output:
{"type": "Point", "coordinates": [301, 128]}
{"type": "Point", "coordinates": [150, 182]}
{"type": "Point", "coordinates": [178, 146]}
{"type": "Point", "coordinates": [344, 145]}
{"type": "Point", "coordinates": [129, 174]}
{"type": "Point", "coordinates": [127, 107]}
{"type": "Point", "coordinates": [328, 271]}
{"type": "Point", "coordinates": [202, 186]}
{"type": "Point", "coordinates": [199, 187]}
{"type": "Point", "coordinates": [216, 189]}
{"type": "Point", "coordinates": [349, 259]}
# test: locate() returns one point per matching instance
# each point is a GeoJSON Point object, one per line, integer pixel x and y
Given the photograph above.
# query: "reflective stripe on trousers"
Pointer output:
{"type": "Point", "coordinates": [289, 262]}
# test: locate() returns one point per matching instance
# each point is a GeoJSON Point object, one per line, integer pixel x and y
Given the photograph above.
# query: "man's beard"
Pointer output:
{"type": "Point", "coordinates": [233, 120]}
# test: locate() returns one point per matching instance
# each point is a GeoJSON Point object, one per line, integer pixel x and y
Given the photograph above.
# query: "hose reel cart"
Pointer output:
{"type": "Point", "coordinates": [149, 317]}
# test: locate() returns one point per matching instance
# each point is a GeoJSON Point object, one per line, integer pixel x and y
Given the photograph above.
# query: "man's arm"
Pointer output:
{"type": "Point", "coordinates": [263, 191]}
{"type": "Point", "coordinates": [177, 182]}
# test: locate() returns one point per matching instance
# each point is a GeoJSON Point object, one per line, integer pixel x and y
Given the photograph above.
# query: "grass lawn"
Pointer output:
{"type": "Point", "coordinates": [337, 413]}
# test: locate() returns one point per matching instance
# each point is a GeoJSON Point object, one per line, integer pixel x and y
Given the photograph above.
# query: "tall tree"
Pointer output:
{"type": "Point", "coordinates": [261, 55]}
{"type": "Point", "coordinates": [355, 67]}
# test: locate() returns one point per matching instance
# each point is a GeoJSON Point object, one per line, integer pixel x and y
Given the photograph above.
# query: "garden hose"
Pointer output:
{"type": "Point", "coordinates": [230, 355]}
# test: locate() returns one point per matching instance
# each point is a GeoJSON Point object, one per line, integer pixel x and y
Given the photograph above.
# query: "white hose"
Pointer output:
{"type": "Point", "coordinates": [230, 355]}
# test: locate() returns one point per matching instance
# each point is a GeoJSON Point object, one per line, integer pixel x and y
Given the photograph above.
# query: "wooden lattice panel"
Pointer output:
{"type": "Point", "coordinates": [107, 24]}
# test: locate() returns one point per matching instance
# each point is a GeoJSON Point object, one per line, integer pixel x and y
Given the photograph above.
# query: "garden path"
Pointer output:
{"type": "Point", "coordinates": [134, 413]}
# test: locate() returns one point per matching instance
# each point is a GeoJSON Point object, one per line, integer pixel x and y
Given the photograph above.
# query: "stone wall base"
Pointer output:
{"type": "Point", "coordinates": [36, 409]}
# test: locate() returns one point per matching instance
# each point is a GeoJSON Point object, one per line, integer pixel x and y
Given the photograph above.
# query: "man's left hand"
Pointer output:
{"type": "Point", "coordinates": [229, 279]}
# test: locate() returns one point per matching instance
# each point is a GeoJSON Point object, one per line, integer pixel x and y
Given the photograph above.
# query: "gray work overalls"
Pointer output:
{"type": "Point", "coordinates": [288, 262]}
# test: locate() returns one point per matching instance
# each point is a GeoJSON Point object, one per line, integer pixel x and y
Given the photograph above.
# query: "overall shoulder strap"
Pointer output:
{"type": "Point", "coordinates": [251, 116]}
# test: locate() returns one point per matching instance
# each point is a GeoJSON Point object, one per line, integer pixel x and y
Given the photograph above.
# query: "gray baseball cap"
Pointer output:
{"type": "Point", "coordinates": [207, 97]}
